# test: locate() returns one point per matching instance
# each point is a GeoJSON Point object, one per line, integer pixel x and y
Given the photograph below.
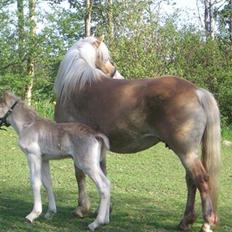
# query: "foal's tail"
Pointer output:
{"type": "Point", "coordinates": [211, 141]}
{"type": "Point", "coordinates": [105, 144]}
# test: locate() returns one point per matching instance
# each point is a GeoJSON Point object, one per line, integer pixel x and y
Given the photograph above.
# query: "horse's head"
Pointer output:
{"type": "Point", "coordinates": [103, 60]}
{"type": "Point", "coordinates": [87, 61]}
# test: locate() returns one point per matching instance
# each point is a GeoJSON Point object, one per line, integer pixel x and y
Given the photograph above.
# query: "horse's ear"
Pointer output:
{"type": "Point", "coordinates": [99, 40]}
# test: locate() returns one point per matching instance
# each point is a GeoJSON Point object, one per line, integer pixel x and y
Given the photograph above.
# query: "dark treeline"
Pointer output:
{"type": "Point", "coordinates": [143, 40]}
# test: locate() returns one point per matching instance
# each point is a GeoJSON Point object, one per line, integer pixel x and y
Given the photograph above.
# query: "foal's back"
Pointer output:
{"type": "Point", "coordinates": [59, 140]}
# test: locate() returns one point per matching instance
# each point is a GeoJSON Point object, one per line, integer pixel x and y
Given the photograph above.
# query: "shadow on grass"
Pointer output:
{"type": "Point", "coordinates": [130, 213]}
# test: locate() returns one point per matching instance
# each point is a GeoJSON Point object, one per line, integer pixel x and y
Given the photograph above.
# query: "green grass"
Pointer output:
{"type": "Point", "coordinates": [148, 192]}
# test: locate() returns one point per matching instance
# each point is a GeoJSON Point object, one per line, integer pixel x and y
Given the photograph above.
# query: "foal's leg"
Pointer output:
{"type": "Point", "coordinates": [89, 163]}
{"type": "Point", "coordinates": [47, 182]}
{"type": "Point", "coordinates": [34, 162]}
{"type": "Point", "coordinates": [83, 200]}
{"type": "Point", "coordinates": [103, 168]}
{"type": "Point", "coordinates": [189, 214]}
{"type": "Point", "coordinates": [103, 165]}
{"type": "Point", "coordinates": [103, 186]}
{"type": "Point", "coordinates": [194, 166]}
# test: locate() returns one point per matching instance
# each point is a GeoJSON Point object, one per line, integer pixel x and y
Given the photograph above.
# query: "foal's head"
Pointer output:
{"type": "Point", "coordinates": [7, 100]}
{"type": "Point", "coordinates": [7, 104]}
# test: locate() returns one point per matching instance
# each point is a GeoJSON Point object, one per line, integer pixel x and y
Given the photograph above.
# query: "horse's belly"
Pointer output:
{"type": "Point", "coordinates": [122, 144]}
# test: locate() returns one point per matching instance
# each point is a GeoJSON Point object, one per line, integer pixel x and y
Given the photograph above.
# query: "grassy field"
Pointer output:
{"type": "Point", "coordinates": [148, 192]}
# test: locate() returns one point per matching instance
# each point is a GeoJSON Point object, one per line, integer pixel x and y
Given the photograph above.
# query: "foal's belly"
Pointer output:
{"type": "Point", "coordinates": [55, 156]}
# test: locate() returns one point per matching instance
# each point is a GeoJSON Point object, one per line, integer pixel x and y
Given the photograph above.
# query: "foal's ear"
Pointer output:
{"type": "Point", "coordinates": [8, 97]}
{"type": "Point", "coordinates": [99, 40]}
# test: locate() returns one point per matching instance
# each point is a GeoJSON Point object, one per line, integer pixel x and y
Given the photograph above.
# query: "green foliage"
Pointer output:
{"type": "Point", "coordinates": [45, 108]}
{"type": "Point", "coordinates": [14, 82]}
{"type": "Point", "coordinates": [145, 44]}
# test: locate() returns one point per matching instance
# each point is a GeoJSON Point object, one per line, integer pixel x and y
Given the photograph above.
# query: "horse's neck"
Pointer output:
{"type": "Point", "coordinates": [22, 117]}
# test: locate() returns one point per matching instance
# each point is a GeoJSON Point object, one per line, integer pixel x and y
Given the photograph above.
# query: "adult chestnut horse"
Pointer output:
{"type": "Point", "coordinates": [137, 114]}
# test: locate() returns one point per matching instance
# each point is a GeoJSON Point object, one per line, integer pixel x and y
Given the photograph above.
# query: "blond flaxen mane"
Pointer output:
{"type": "Point", "coordinates": [78, 67]}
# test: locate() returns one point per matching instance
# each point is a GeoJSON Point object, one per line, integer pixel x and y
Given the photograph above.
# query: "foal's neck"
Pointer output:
{"type": "Point", "coordinates": [22, 117]}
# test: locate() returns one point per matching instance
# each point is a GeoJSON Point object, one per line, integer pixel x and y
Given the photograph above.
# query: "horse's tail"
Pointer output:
{"type": "Point", "coordinates": [211, 142]}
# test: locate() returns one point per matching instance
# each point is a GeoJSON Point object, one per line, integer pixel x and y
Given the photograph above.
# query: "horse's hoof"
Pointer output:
{"type": "Point", "coordinates": [184, 227]}
{"type": "Point", "coordinates": [187, 222]}
{"type": "Point", "coordinates": [79, 212]}
{"type": "Point", "coordinates": [206, 228]}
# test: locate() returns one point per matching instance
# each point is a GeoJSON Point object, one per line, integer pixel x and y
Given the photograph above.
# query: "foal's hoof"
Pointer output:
{"type": "Point", "coordinates": [49, 215]}
{"type": "Point", "coordinates": [28, 221]}
{"type": "Point", "coordinates": [93, 226]}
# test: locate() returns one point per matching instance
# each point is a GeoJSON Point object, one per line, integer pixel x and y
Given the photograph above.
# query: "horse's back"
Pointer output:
{"type": "Point", "coordinates": [136, 112]}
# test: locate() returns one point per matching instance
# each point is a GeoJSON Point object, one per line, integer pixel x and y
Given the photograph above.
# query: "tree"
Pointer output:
{"type": "Point", "coordinates": [88, 17]}
{"type": "Point", "coordinates": [110, 19]}
{"type": "Point", "coordinates": [225, 20]}
{"type": "Point", "coordinates": [21, 33]}
{"type": "Point", "coordinates": [30, 55]}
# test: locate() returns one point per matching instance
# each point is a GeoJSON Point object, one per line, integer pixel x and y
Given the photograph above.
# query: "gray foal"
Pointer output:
{"type": "Point", "coordinates": [43, 140]}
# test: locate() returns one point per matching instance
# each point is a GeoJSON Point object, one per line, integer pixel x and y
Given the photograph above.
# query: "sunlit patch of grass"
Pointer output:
{"type": "Point", "coordinates": [148, 192]}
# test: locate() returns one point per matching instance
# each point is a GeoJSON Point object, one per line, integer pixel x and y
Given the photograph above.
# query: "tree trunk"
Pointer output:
{"type": "Point", "coordinates": [88, 16]}
{"type": "Point", "coordinates": [21, 33]}
{"type": "Point", "coordinates": [230, 19]}
{"type": "Point", "coordinates": [209, 20]}
{"type": "Point", "coordinates": [30, 60]}
{"type": "Point", "coordinates": [110, 20]}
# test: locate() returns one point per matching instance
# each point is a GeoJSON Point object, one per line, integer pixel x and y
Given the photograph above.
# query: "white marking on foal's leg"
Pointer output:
{"type": "Point", "coordinates": [47, 182]}
{"type": "Point", "coordinates": [34, 162]}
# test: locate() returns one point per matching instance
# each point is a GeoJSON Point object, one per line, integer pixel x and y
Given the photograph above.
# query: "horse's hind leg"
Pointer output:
{"type": "Point", "coordinates": [198, 173]}
{"type": "Point", "coordinates": [189, 214]}
{"type": "Point", "coordinates": [83, 200]}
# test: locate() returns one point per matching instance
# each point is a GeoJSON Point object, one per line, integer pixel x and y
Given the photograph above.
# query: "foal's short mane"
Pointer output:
{"type": "Point", "coordinates": [78, 67]}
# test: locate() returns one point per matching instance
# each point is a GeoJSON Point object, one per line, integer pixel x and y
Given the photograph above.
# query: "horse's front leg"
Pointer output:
{"type": "Point", "coordinates": [47, 182]}
{"type": "Point", "coordinates": [83, 200]}
{"type": "Point", "coordinates": [34, 162]}
{"type": "Point", "coordinates": [189, 214]}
